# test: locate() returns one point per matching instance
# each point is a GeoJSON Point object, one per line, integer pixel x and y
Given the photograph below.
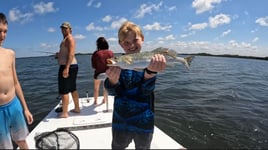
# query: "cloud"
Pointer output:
{"type": "Point", "coordinates": [107, 18]}
{"type": "Point", "coordinates": [242, 45]}
{"type": "Point", "coordinates": [172, 8]}
{"type": "Point", "coordinates": [118, 23]}
{"type": "Point", "coordinates": [255, 39]}
{"type": "Point", "coordinates": [198, 26]}
{"type": "Point", "coordinates": [90, 3]}
{"type": "Point", "coordinates": [92, 27]}
{"type": "Point", "coordinates": [112, 39]}
{"type": "Point", "coordinates": [47, 46]}
{"type": "Point", "coordinates": [51, 29]}
{"type": "Point", "coordinates": [79, 36]}
{"type": "Point", "coordinates": [188, 34]}
{"type": "Point", "coordinates": [167, 38]}
{"type": "Point", "coordinates": [204, 5]}
{"type": "Point", "coordinates": [98, 5]}
{"type": "Point", "coordinates": [16, 15]}
{"type": "Point", "coordinates": [213, 22]}
{"type": "Point", "coordinates": [219, 20]}
{"type": "Point", "coordinates": [263, 21]}
{"type": "Point", "coordinates": [147, 9]}
{"type": "Point", "coordinates": [233, 48]}
{"type": "Point", "coordinates": [170, 37]}
{"type": "Point", "coordinates": [43, 8]}
{"type": "Point", "coordinates": [157, 26]}
{"type": "Point", "coordinates": [160, 42]}
{"type": "Point", "coordinates": [226, 33]}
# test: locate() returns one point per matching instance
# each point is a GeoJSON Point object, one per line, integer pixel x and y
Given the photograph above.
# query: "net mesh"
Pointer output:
{"type": "Point", "coordinates": [57, 139]}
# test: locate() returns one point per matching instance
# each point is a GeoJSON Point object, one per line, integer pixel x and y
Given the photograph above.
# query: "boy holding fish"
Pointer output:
{"type": "Point", "coordinates": [133, 115]}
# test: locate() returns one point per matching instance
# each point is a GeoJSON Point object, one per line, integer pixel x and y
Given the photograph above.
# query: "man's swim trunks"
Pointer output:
{"type": "Point", "coordinates": [67, 85]}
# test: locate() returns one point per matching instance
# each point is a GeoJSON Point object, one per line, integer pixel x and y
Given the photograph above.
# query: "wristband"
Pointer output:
{"type": "Point", "coordinates": [149, 71]}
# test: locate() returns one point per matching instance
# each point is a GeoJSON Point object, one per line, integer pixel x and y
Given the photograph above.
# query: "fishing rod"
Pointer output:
{"type": "Point", "coordinates": [47, 52]}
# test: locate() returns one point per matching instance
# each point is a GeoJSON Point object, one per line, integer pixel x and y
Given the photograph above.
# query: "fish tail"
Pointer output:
{"type": "Point", "coordinates": [188, 61]}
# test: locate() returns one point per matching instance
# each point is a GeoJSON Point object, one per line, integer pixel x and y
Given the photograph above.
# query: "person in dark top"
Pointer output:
{"type": "Point", "coordinates": [98, 61]}
{"type": "Point", "coordinates": [133, 114]}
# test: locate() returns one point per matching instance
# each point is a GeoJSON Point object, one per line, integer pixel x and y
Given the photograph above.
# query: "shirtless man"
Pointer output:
{"type": "Point", "coordinates": [12, 103]}
{"type": "Point", "coordinates": [68, 70]}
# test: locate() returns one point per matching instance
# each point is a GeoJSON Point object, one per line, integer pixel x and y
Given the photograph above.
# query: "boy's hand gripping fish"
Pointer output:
{"type": "Point", "coordinates": [141, 60]}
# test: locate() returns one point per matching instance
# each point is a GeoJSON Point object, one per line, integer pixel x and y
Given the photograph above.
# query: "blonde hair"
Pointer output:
{"type": "Point", "coordinates": [129, 27]}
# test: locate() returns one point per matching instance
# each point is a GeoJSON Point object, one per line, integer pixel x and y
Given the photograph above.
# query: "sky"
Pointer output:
{"type": "Point", "coordinates": [236, 27]}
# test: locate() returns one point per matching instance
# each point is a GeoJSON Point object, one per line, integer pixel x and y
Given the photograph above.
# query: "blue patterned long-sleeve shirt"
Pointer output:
{"type": "Point", "coordinates": [134, 102]}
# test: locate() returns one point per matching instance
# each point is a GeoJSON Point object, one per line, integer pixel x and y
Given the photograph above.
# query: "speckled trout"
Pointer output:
{"type": "Point", "coordinates": [141, 60]}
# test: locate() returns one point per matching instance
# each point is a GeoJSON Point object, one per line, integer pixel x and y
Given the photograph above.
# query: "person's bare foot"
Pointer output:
{"type": "Point", "coordinates": [95, 102]}
{"type": "Point", "coordinates": [63, 115]}
{"type": "Point", "coordinates": [103, 101]}
{"type": "Point", "coordinates": [75, 111]}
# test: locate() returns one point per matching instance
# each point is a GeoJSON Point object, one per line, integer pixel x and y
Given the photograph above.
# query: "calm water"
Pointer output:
{"type": "Point", "coordinates": [220, 103]}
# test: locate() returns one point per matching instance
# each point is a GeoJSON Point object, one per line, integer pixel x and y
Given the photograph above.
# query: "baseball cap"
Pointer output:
{"type": "Point", "coordinates": [66, 25]}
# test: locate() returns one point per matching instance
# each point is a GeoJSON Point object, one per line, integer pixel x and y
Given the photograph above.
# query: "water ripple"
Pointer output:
{"type": "Point", "coordinates": [221, 103]}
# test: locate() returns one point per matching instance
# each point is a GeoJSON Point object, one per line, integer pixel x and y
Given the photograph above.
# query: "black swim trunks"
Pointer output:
{"type": "Point", "coordinates": [96, 75]}
{"type": "Point", "coordinates": [67, 85]}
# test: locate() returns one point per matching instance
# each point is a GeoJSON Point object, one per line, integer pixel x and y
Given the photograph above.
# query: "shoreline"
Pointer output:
{"type": "Point", "coordinates": [196, 54]}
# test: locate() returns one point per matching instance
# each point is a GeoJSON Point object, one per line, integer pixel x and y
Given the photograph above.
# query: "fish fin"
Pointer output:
{"type": "Point", "coordinates": [166, 52]}
{"type": "Point", "coordinates": [160, 50]}
{"type": "Point", "coordinates": [128, 60]}
{"type": "Point", "coordinates": [188, 61]}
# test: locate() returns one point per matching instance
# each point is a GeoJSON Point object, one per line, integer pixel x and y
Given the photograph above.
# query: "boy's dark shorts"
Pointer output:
{"type": "Point", "coordinates": [121, 139]}
{"type": "Point", "coordinates": [67, 85]}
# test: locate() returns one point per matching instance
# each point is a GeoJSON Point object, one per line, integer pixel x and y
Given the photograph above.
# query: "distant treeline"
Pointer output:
{"type": "Point", "coordinates": [205, 54]}
{"type": "Point", "coordinates": [228, 55]}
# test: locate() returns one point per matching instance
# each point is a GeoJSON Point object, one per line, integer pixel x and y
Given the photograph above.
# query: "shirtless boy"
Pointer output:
{"type": "Point", "coordinates": [12, 103]}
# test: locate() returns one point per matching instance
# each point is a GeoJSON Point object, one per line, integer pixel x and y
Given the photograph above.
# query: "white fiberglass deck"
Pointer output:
{"type": "Point", "coordinates": [93, 127]}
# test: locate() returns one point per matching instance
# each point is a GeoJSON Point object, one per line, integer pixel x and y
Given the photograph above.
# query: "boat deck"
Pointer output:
{"type": "Point", "coordinates": [93, 127]}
